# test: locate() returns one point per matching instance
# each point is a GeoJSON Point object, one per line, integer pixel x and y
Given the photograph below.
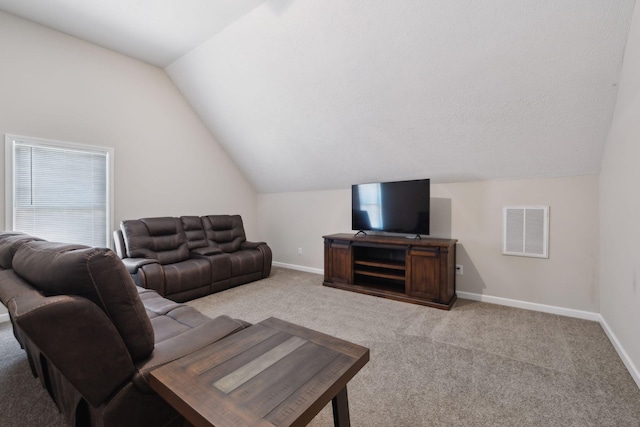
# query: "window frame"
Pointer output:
{"type": "Point", "coordinates": [10, 142]}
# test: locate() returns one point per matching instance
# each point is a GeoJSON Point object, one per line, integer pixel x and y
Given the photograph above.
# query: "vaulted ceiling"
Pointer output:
{"type": "Point", "coordinates": [309, 95]}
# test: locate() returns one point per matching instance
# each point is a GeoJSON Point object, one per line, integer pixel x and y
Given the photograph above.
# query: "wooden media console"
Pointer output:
{"type": "Point", "coordinates": [419, 271]}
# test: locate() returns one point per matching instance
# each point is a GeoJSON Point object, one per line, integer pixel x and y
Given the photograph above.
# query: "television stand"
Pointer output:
{"type": "Point", "coordinates": [416, 271]}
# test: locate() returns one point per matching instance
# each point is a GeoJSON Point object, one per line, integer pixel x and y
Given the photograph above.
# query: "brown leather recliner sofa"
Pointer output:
{"type": "Point", "coordinates": [191, 256]}
{"type": "Point", "coordinates": [92, 336]}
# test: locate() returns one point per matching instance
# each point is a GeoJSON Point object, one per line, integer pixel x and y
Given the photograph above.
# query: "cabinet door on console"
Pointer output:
{"type": "Point", "coordinates": [340, 262]}
{"type": "Point", "coordinates": [423, 273]}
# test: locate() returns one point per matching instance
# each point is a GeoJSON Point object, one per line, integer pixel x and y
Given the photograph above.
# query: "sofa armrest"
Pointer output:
{"type": "Point", "coordinates": [251, 245]}
{"type": "Point", "coordinates": [150, 276]}
{"type": "Point", "coordinates": [78, 338]}
{"type": "Point", "coordinates": [206, 251]}
{"type": "Point", "coordinates": [133, 264]}
{"type": "Point", "coordinates": [265, 250]}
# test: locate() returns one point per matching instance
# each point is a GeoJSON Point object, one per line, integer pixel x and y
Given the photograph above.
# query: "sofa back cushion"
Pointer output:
{"type": "Point", "coordinates": [225, 231]}
{"type": "Point", "coordinates": [156, 238]}
{"type": "Point", "coordinates": [93, 273]}
{"type": "Point", "coordinates": [193, 229]}
{"type": "Point", "coordinates": [10, 241]}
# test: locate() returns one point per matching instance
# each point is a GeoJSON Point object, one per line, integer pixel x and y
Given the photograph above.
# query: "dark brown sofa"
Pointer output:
{"type": "Point", "coordinates": [191, 256]}
{"type": "Point", "coordinates": [92, 336]}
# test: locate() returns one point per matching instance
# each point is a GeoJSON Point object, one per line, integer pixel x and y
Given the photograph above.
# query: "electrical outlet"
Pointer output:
{"type": "Point", "coordinates": [299, 251]}
{"type": "Point", "coordinates": [459, 270]}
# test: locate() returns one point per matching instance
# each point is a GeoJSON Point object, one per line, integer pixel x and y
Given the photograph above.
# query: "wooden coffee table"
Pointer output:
{"type": "Point", "coordinates": [274, 373]}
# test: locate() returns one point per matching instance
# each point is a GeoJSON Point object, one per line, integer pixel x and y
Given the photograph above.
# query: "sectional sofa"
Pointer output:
{"type": "Point", "coordinates": [92, 336]}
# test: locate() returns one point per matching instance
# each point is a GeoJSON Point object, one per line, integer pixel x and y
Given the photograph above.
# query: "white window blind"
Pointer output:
{"type": "Point", "coordinates": [59, 191]}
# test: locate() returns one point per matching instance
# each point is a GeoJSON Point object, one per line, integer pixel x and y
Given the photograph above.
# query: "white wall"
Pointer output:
{"type": "Point", "coordinates": [166, 162]}
{"type": "Point", "coordinates": [288, 221]}
{"type": "Point", "coordinates": [620, 210]}
{"type": "Point", "coordinates": [472, 213]}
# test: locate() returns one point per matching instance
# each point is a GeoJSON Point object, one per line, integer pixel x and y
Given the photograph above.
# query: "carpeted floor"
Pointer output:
{"type": "Point", "coordinates": [476, 365]}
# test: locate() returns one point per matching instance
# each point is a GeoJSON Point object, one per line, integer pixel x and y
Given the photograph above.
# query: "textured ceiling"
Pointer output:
{"type": "Point", "coordinates": [154, 31]}
{"type": "Point", "coordinates": [308, 95]}
{"type": "Point", "coordinates": [321, 95]}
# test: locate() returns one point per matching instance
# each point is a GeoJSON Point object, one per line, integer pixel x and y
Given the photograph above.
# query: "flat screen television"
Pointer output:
{"type": "Point", "coordinates": [396, 207]}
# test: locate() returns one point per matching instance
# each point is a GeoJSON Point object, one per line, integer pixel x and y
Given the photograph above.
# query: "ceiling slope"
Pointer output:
{"type": "Point", "coordinates": [154, 31]}
{"type": "Point", "coordinates": [310, 95]}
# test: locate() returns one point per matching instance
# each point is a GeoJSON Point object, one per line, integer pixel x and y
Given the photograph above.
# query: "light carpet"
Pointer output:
{"type": "Point", "coordinates": [476, 365]}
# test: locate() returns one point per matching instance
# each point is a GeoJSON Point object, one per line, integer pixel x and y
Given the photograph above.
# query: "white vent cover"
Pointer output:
{"type": "Point", "coordinates": [525, 231]}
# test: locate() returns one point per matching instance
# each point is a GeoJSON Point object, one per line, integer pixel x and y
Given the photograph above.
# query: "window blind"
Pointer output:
{"type": "Point", "coordinates": [61, 193]}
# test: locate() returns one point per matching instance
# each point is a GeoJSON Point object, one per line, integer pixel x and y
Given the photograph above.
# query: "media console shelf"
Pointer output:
{"type": "Point", "coordinates": [421, 271]}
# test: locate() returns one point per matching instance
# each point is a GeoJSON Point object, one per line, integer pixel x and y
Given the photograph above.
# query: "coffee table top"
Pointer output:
{"type": "Point", "coordinates": [274, 373]}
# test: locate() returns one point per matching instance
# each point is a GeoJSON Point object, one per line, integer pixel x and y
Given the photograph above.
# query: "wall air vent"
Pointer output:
{"type": "Point", "coordinates": [525, 231]}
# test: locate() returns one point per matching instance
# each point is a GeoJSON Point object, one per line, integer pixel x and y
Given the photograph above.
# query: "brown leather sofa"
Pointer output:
{"type": "Point", "coordinates": [191, 256]}
{"type": "Point", "coordinates": [92, 336]}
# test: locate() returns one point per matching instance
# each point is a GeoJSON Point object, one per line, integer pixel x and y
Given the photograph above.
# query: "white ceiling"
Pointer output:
{"type": "Point", "coordinates": [308, 95]}
{"type": "Point", "coordinates": [154, 31]}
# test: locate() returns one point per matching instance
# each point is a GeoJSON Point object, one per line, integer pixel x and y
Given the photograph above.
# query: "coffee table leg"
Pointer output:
{"type": "Point", "coordinates": [340, 405]}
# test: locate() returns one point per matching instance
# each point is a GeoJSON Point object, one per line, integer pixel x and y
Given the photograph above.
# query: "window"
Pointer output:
{"type": "Point", "coordinates": [371, 201]}
{"type": "Point", "coordinates": [59, 191]}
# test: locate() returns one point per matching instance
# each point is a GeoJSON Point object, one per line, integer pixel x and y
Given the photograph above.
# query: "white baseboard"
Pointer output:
{"type": "Point", "coordinates": [628, 363]}
{"type": "Point", "coordinates": [4, 317]}
{"type": "Point", "coordinates": [298, 267]}
{"type": "Point", "coordinates": [552, 309]}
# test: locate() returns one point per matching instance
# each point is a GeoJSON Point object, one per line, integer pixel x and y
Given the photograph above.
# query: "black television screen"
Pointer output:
{"type": "Point", "coordinates": [397, 207]}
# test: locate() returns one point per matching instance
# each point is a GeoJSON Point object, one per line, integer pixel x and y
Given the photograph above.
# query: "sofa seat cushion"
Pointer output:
{"type": "Point", "coordinates": [169, 318]}
{"type": "Point", "coordinates": [187, 275]}
{"type": "Point", "coordinates": [180, 330]}
{"type": "Point", "coordinates": [246, 262]}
